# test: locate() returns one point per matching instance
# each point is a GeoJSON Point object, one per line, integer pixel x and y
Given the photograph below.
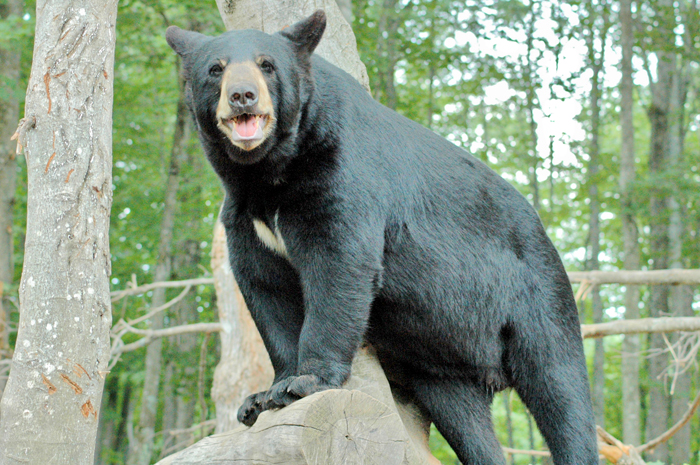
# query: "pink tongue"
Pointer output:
{"type": "Point", "coordinates": [248, 127]}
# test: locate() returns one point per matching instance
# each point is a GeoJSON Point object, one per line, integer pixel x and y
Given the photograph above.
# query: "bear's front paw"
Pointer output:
{"type": "Point", "coordinates": [295, 387]}
{"type": "Point", "coordinates": [280, 395]}
{"type": "Point", "coordinates": [252, 407]}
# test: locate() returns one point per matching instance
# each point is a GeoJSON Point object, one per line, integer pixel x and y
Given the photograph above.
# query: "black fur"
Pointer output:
{"type": "Point", "coordinates": [394, 236]}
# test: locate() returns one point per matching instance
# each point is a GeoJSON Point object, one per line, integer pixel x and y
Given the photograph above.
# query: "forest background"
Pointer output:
{"type": "Point", "coordinates": [533, 88]}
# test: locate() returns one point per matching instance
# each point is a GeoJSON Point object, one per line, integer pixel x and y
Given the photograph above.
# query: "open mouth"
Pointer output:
{"type": "Point", "coordinates": [246, 127]}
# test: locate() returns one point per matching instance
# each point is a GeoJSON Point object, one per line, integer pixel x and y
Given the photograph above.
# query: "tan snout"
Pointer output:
{"type": "Point", "coordinates": [245, 106]}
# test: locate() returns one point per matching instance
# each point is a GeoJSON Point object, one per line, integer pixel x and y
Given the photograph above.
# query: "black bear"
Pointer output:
{"type": "Point", "coordinates": [347, 222]}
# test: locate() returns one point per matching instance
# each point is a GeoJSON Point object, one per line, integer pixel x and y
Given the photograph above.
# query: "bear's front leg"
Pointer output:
{"type": "Point", "coordinates": [273, 294]}
{"type": "Point", "coordinates": [338, 289]}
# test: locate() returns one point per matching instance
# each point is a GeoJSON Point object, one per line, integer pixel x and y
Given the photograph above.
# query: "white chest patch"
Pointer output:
{"type": "Point", "coordinates": [273, 240]}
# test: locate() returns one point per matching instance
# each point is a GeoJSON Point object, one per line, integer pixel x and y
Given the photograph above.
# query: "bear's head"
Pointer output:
{"type": "Point", "coordinates": [246, 88]}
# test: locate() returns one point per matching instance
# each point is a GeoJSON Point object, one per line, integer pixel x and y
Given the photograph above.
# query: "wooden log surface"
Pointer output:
{"type": "Point", "coordinates": [358, 424]}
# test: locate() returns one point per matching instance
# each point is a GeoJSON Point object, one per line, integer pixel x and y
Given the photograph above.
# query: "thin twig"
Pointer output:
{"type": "Point", "coordinates": [615, 451]}
{"type": "Point", "coordinates": [155, 310]}
{"type": "Point", "coordinates": [152, 334]}
{"type": "Point", "coordinates": [675, 361]}
{"type": "Point", "coordinates": [674, 429]}
{"type": "Point", "coordinates": [117, 295]}
{"type": "Point", "coordinates": [538, 453]}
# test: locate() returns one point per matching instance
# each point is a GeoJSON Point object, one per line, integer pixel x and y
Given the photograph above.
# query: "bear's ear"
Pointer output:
{"type": "Point", "coordinates": [307, 33]}
{"type": "Point", "coordinates": [182, 41]}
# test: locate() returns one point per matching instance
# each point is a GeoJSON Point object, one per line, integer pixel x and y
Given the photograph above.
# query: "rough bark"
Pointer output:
{"type": "Point", "coordinates": [50, 406]}
{"type": "Point", "coordinates": [349, 425]}
{"type": "Point", "coordinates": [631, 401]}
{"type": "Point", "coordinates": [141, 450]}
{"type": "Point", "coordinates": [9, 114]}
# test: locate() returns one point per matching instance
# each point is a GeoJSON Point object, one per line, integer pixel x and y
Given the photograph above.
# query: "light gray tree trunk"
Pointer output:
{"type": "Point", "coordinates": [9, 115]}
{"type": "Point", "coordinates": [50, 406]}
{"type": "Point", "coordinates": [631, 402]}
{"type": "Point", "coordinates": [141, 450]}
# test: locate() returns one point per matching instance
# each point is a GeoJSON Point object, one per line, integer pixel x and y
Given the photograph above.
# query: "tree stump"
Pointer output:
{"type": "Point", "coordinates": [358, 424]}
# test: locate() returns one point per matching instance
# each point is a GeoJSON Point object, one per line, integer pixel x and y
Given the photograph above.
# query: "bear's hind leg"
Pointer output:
{"type": "Point", "coordinates": [555, 390]}
{"type": "Point", "coordinates": [461, 411]}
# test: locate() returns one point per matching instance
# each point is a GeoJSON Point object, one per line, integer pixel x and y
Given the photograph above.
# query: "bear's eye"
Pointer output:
{"type": "Point", "coordinates": [216, 70]}
{"type": "Point", "coordinates": [266, 66]}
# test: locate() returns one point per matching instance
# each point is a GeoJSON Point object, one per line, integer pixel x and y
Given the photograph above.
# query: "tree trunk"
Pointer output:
{"type": "Point", "coordinates": [107, 430]}
{"type": "Point", "coordinates": [9, 115]}
{"type": "Point", "coordinates": [596, 61]}
{"type": "Point", "coordinates": [169, 407]}
{"type": "Point", "coordinates": [50, 406]}
{"type": "Point", "coordinates": [387, 25]}
{"type": "Point", "coordinates": [631, 401]}
{"type": "Point", "coordinates": [140, 452]}
{"type": "Point", "coordinates": [657, 418]}
{"type": "Point", "coordinates": [530, 108]}
{"type": "Point", "coordinates": [186, 344]}
{"type": "Point", "coordinates": [680, 297]}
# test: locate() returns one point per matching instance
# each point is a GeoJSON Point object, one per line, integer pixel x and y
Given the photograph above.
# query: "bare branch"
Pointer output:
{"type": "Point", "coordinates": [118, 326]}
{"type": "Point", "coordinates": [615, 451]}
{"type": "Point", "coordinates": [643, 325]}
{"type": "Point", "coordinates": [117, 295]}
{"type": "Point", "coordinates": [672, 276]}
{"type": "Point", "coordinates": [674, 429]}
{"type": "Point", "coordinates": [150, 335]}
{"type": "Point", "coordinates": [539, 453]}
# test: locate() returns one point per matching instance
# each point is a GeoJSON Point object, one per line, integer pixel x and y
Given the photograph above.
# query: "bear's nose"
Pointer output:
{"type": "Point", "coordinates": [243, 94]}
